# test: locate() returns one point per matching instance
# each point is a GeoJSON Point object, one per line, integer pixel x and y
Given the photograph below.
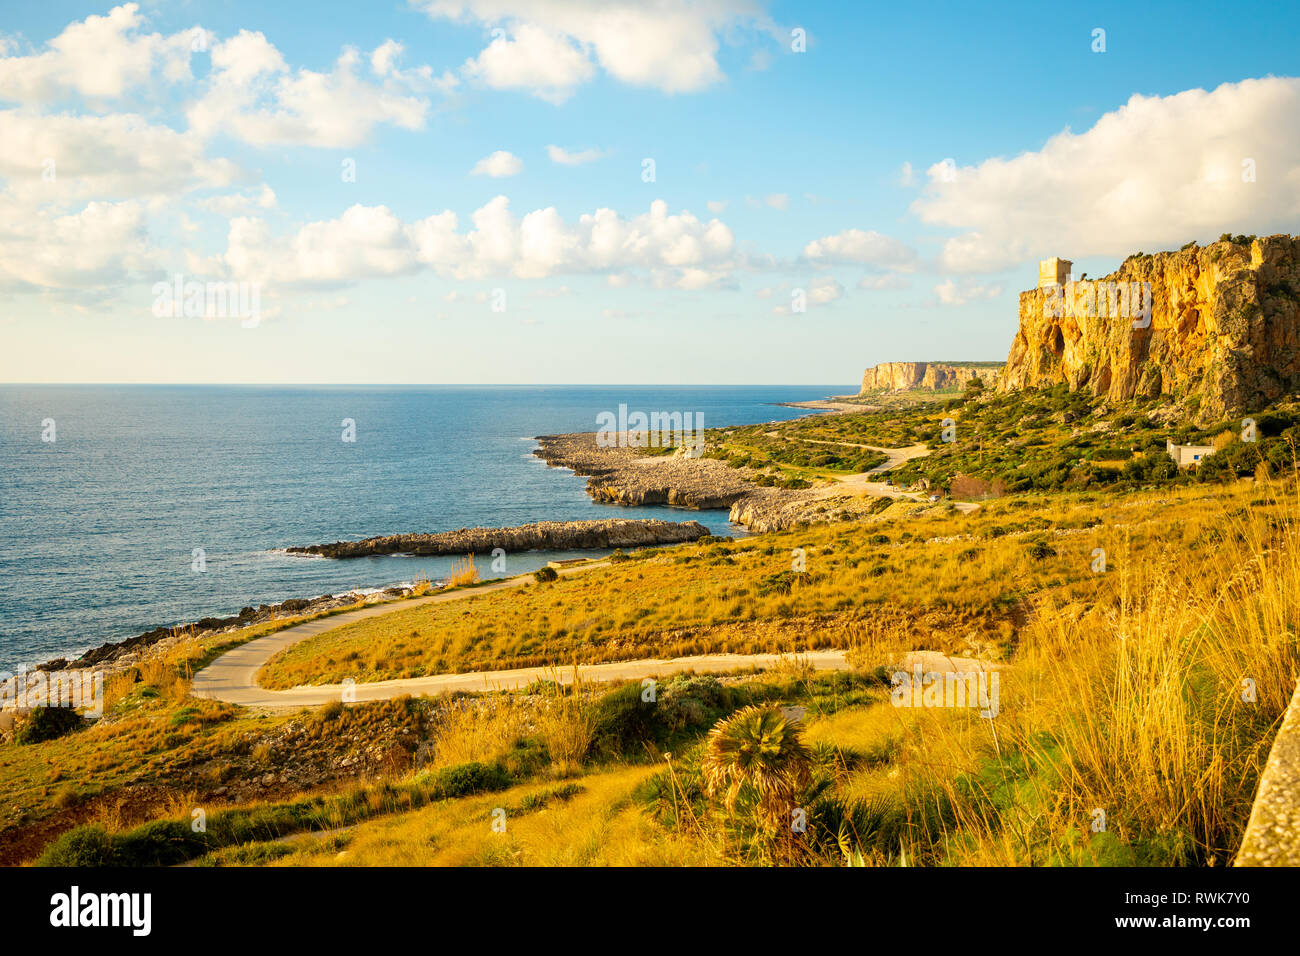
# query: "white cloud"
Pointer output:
{"type": "Point", "coordinates": [716, 206]}
{"type": "Point", "coordinates": [906, 175]}
{"type": "Point", "coordinates": [236, 204]}
{"type": "Point", "coordinates": [96, 247]}
{"type": "Point", "coordinates": [498, 165]}
{"type": "Point", "coordinates": [824, 290]}
{"type": "Point", "coordinates": [535, 59]}
{"type": "Point", "coordinates": [778, 201]}
{"type": "Point", "coordinates": [854, 246]}
{"type": "Point", "coordinates": [66, 157]}
{"type": "Point", "coordinates": [1153, 174]}
{"type": "Point", "coordinates": [949, 293]}
{"type": "Point", "coordinates": [890, 280]}
{"type": "Point", "coordinates": [370, 241]}
{"type": "Point", "coordinates": [253, 95]}
{"type": "Point", "coordinates": [99, 58]}
{"type": "Point", "coordinates": [562, 156]}
{"type": "Point", "coordinates": [549, 46]}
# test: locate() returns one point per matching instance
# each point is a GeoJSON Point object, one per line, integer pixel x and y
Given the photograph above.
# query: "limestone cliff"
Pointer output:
{"type": "Point", "coordinates": [904, 376]}
{"type": "Point", "coordinates": [1223, 336]}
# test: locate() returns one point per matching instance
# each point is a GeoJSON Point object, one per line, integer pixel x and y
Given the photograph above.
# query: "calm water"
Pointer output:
{"type": "Point", "coordinates": [98, 528]}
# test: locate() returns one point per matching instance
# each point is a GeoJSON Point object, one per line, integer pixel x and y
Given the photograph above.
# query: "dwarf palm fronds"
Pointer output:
{"type": "Point", "coordinates": [758, 757]}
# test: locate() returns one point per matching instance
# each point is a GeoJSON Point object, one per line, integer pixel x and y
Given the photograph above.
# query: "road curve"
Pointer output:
{"type": "Point", "coordinates": [232, 677]}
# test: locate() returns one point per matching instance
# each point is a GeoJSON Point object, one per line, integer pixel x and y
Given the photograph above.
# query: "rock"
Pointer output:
{"type": "Point", "coordinates": [542, 536]}
{"type": "Point", "coordinates": [1225, 329]}
{"type": "Point", "coordinates": [906, 376]}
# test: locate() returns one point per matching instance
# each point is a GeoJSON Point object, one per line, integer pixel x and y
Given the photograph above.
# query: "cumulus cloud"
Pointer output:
{"type": "Point", "coordinates": [67, 157]}
{"type": "Point", "coordinates": [371, 241]}
{"type": "Point", "coordinates": [95, 247]}
{"type": "Point", "coordinates": [551, 46]}
{"type": "Point", "coordinates": [854, 246]}
{"type": "Point", "coordinates": [1153, 174]}
{"type": "Point", "coordinates": [949, 292]}
{"type": "Point", "coordinates": [100, 58]}
{"type": "Point", "coordinates": [236, 204]}
{"type": "Point", "coordinates": [253, 94]}
{"type": "Point", "coordinates": [534, 59]}
{"type": "Point", "coordinates": [562, 156]}
{"type": "Point", "coordinates": [498, 165]}
{"type": "Point", "coordinates": [824, 290]}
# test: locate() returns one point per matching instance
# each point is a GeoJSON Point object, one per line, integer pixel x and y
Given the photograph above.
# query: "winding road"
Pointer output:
{"type": "Point", "coordinates": [232, 677]}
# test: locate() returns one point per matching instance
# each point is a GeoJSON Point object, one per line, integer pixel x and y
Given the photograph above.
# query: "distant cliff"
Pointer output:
{"type": "Point", "coordinates": [936, 376]}
{"type": "Point", "coordinates": [1223, 335]}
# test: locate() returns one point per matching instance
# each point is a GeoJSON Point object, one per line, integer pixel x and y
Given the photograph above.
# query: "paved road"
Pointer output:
{"type": "Point", "coordinates": [232, 677]}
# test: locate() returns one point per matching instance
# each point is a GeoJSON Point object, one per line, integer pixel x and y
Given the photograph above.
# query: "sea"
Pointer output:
{"type": "Point", "coordinates": [128, 507]}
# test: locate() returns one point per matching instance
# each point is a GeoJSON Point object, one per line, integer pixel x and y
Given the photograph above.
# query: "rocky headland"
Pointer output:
{"type": "Point", "coordinates": [625, 476]}
{"type": "Point", "coordinates": [542, 536]}
{"type": "Point", "coordinates": [1223, 336]}
{"type": "Point", "coordinates": [931, 376]}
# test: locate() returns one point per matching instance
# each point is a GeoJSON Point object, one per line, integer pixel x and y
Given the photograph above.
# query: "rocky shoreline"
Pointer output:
{"type": "Point", "coordinates": [622, 476]}
{"type": "Point", "coordinates": [625, 476]}
{"type": "Point", "coordinates": [541, 536]}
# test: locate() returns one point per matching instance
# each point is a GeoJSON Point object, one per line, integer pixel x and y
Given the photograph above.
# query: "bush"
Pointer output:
{"type": "Point", "coordinates": [469, 778]}
{"type": "Point", "coordinates": [1040, 550]}
{"type": "Point", "coordinates": [88, 845]}
{"type": "Point", "coordinates": [160, 843]}
{"type": "Point", "coordinates": [48, 723]}
{"type": "Point", "coordinates": [543, 575]}
{"type": "Point", "coordinates": [623, 721]}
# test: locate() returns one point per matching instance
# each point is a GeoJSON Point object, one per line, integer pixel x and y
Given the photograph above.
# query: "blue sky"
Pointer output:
{"type": "Point", "coordinates": [899, 178]}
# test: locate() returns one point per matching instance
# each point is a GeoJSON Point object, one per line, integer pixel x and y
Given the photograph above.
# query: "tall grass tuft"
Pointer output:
{"type": "Point", "coordinates": [463, 572]}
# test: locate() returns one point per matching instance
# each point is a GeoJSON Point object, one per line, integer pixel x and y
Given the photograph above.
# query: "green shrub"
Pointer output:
{"type": "Point", "coordinates": [544, 575]}
{"type": "Point", "coordinates": [48, 723]}
{"type": "Point", "coordinates": [469, 778]}
{"type": "Point", "coordinates": [88, 845]}
{"type": "Point", "coordinates": [160, 843]}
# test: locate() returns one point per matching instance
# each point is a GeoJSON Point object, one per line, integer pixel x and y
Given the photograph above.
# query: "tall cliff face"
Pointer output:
{"type": "Point", "coordinates": [901, 376]}
{"type": "Point", "coordinates": [1223, 337]}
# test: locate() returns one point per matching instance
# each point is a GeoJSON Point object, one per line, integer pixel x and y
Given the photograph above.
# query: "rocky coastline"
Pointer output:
{"type": "Point", "coordinates": [541, 536]}
{"type": "Point", "coordinates": [626, 476]}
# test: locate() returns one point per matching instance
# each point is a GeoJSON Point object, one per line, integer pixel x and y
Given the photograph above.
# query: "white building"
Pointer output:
{"type": "Point", "coordinates": [1185, 456]}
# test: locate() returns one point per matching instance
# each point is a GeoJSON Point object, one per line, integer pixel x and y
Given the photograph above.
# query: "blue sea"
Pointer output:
{"type": "Point", "coordinates": [98, 528]}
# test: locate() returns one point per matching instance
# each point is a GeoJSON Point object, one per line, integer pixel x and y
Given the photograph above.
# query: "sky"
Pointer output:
{"type": "Point", "coordinates": [568, 191]}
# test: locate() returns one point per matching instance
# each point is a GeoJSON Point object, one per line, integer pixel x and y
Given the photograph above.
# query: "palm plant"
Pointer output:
{"type": "Point", "coordinates": [757, 757]}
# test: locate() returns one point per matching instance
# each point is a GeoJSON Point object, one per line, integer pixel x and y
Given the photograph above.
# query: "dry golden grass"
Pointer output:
{"type": "Point", "coordinates": [566, 724]}
{"type": "Point", "coordinates": [598, 825]}
{"type": "Point", "coordinates": [1137, 708]}
{"type": "Point", "coordinates": [463, 572]}
{"type": "Point", "coordinates": [955, 582]}
{"type": "Point", "coordinates": [483, 734]}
